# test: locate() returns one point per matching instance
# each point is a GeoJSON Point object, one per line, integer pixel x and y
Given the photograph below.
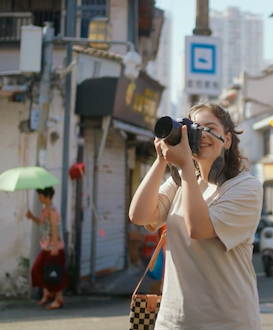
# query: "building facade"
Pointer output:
{"type": "Point", "coordinates": [19, 237]}
{"type": "Point", "coordinates": [111, 145]}
{"type": "Point", "coordinates": [117, 119]}
{"type": "Point", "coordinates": [183, 98]}
{"type": "Point", "coordinates": [250, 105]}
{"type": "Point", "coordinates": [160, 68]}
{"type": "Point", "coordinates": [242, 36]}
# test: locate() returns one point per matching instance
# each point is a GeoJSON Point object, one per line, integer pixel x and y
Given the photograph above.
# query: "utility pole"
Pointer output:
{"type": "Point", "coordinates": [70, 18]}
{"type": "Point", "coordinates": [44, 105]}
{"type": "Point", "coordinates": [201, 28]}
{"type": "Point", "coordinates": [44, 94]}
{"type": "Point", "coordinates": [202, 18]}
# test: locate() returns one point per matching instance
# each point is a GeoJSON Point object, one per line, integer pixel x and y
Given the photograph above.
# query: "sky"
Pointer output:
{"type": "Point", "coordinates": [183, 13]}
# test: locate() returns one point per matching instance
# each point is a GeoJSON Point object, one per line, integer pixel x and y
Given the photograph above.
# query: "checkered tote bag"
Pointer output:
{"type": "Point", "coordinates": [145, 307]}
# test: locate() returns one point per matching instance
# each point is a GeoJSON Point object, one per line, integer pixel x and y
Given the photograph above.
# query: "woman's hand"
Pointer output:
{"type": "Point", "coordinates": [179, 155]}
{"type": "Point", "coordinates": [54, 251]}
{"type": "Point", "coordinates": [29, 215]}
{"type": "Point", "coordinates": [158, 148]}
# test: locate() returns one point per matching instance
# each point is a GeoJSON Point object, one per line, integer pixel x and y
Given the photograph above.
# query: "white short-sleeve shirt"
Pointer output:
{"type": "Point", "coordinates": [210, 284]}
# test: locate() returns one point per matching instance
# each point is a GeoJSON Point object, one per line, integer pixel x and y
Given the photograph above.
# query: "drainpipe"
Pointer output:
{"type": "Point", "coordinates": [98, 154]}
{"type": "Point", "coordinates": [67, 119]}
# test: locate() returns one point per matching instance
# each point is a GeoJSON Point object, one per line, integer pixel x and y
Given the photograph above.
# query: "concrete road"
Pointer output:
{"type": "Point", "coordinates": [104, 313]}
{"type": "Point", "coordinates": [96, 313]}
{"type": "Point", "coordinates": [265, 287]}
{"type": "Point", "coordinates": [86, 313]}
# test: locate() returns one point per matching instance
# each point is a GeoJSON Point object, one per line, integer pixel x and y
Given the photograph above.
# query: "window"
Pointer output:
{"type": "Point", "coordinates": [266, 142]}
{"type": "Point", "coordinates": [16, 13]}
{"type": "Point", "coordinates": [99, 9]}
{"type": "Point", "coordinates": [42, 16]}
{"type": "Point", "coordinates": [10, 25]}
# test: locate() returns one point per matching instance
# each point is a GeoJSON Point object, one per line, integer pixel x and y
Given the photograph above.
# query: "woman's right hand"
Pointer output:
{"type": "Point", "coordinates": [29, 215]}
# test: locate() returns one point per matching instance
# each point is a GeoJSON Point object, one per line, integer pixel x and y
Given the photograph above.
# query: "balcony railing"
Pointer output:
{"type": "Point", "coordinates": [92, 8]}
{"type": "Point", "coordinates": [11, 23]}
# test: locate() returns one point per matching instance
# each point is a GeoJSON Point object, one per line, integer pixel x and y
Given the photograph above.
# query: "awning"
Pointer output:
{"type": "Point", "coordinates": [264, 123]}
{"type": "Point", "coordinates": [96, 96]}
{"type": "Point", "coordinates": [133, 129]}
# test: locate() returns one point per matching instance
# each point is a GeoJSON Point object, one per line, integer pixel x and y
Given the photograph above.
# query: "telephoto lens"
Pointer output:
{"type": "Point", "coordinates": [168, 130]}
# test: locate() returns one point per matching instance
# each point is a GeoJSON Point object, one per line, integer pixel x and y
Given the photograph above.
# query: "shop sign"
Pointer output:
{"type": "Point", "coordinates": [137, 101]}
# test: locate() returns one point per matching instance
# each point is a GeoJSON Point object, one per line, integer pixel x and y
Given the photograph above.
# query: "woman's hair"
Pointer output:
{"type": "Point", "coordinates": [47, 192]}
{"type": "Point", "coordinates": [234, 160]}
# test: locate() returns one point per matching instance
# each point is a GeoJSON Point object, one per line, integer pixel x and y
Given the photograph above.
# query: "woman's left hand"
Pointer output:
{"type": "Point", "coordinates": [54, 251]}
{"type": "Point", "coordinates": [180, 154]}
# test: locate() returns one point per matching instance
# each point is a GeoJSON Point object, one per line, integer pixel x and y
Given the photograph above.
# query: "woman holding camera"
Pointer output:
{"type": "Point", "coordinates": [211, 219]}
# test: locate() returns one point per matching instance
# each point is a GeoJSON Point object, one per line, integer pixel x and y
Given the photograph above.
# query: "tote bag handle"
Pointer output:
{"type": "Point", "coordinates": [152, 261]}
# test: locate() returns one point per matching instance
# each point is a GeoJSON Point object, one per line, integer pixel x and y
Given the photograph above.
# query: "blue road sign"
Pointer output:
{"type": "Point", "coordinates": [203, 59]}
{"type": "Point", "coordinates": [203, 65]}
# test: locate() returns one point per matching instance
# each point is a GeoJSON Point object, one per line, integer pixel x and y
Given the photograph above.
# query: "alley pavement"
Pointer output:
{"type": "Point", "coordinates": [79, 313]}
{"type": "Point", "coordinates": [101, 311]}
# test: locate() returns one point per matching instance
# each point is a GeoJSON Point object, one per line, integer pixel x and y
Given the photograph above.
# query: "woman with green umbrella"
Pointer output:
{"type": "Point", "coordinates": [53, 251]}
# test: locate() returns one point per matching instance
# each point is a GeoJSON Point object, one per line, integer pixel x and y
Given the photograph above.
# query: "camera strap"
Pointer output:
{"type": "Point", "coordinates": [217, 172]}
{"type": "Point", "coordinates": [216, 175]}
{"type": "Point", "coordinates": [175, 174]}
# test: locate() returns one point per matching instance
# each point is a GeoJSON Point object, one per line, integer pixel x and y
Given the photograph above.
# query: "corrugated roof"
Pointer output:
{"type": "Point", "coordinates": [98, 53]}
{"type": "Point", "coordinates": [132, 129]}
{"type": "Point", "coordinates": [114, 57]}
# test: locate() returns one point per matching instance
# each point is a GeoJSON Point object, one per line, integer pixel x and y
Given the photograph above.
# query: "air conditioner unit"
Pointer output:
{"type": "Point", "coordinates": [31, 48]}
{"type": "Point", "coordinates": [11, 23]}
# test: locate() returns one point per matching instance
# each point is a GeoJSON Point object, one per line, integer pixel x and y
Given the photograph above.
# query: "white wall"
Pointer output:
{"type": "Point", "coordinates": [10, 57]}
{"type": "Point", "coordinates": [259, 89]}
{"type": "Point", "coordinates": [259, 99]}
{"type": "Point", "coordinates": [16, 150]}
{"type": "Point", "coordinates": [251, 141]}
{"type": "Point", "coordinates": [119, 21]}
{"type": "Point", "coordinates": [95, 67]}
{"type": "Point", "coordinates": [160, 68]}
{"type": "Point", "coordinates": [19, 149]}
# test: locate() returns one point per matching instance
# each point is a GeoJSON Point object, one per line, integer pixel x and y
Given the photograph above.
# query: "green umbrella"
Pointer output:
{"type": "Point", "coordinates": [24, 178]}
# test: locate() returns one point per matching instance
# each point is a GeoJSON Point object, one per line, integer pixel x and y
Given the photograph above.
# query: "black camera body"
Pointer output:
{"type": "Point", "coordinates": [169, 130]}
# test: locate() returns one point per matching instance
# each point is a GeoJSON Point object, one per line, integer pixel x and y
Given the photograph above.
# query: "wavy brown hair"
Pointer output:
{"type": "Point", "coordinates": [234, 160]}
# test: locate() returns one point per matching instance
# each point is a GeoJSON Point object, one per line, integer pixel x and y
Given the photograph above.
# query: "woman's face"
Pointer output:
{"type": "Point", "coordinates": [41, 198]}
{"type": "Point", "coordinates": [211, 147]}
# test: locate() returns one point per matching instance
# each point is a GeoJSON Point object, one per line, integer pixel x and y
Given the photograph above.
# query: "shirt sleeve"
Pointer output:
{"type": "Point", "coordinates": [236, 214]}
{"type": "Point", "coordinates": [166, 195]}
